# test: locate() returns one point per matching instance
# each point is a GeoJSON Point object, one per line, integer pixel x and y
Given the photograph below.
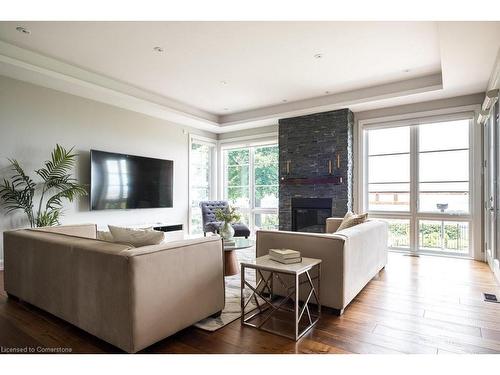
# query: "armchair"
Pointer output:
{"type": "Point", "coordinates": [210, 223]}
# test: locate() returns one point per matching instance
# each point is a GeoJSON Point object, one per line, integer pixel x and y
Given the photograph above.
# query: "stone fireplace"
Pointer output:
{"type": "Point", "coordinates": [315, 169]}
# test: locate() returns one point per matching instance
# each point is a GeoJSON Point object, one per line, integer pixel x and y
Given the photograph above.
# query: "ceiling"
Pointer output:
{"type": "Point", "coordinates": [241, 74]}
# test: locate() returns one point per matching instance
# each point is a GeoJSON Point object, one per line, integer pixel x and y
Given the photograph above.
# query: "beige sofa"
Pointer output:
{"type": "Point", "coordinates": [351, 257]}
{"type": "Point", "coordinates": [129, 297]}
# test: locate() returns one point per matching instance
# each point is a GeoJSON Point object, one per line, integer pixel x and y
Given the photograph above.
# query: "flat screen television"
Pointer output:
{"type": "Point", "coordinates": [120, 181]}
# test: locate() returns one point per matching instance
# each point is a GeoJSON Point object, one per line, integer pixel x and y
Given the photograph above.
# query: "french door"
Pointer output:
{"type": "Point", "coordinates": [491, 187]}
{"type": "Point", "coordinates": [202, 158]}
{"type": "Point", "coordinates": [417, 177]}
{"type": "Point", "coordinates": [250, 183]}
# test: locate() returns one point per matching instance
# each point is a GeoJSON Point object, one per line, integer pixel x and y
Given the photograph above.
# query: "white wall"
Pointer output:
{"type": "Point", "coordinates": [33, 119]}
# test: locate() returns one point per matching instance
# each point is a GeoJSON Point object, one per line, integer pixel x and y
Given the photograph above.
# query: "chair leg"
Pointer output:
{"type": "Point", "coordinates": [204, 234]}
{"type": "Point", "coordinates": [12, 297]}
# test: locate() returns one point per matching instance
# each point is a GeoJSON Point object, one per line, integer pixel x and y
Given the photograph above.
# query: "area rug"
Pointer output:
{"type": "Point", "coordinates": [232, 309]}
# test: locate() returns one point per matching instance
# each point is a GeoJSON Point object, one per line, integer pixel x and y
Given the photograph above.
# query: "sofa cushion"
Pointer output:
{"type": "Point", "coordinates": [351, 219]}
{"type": "Point", "coordinates": [136, 237]}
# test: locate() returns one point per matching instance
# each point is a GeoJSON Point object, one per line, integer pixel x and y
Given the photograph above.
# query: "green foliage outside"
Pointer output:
{"type": "Point", "coordinates": [265, 170]}
{"type": "Point", "coordinates": [399, 234]}
{"type": "Point", "coordinates": [455, 235]}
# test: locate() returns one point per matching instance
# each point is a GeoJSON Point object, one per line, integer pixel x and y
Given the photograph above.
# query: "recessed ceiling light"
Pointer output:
{"type": "Point", "coordinates": [223, 82]}
{"type": "Point", "coordinates": [406, 70]}
{"type": "Point", "coordinates": [318, 56]}
{"type": "Point", "coordinates": [226, 109]}
{"type": "Point", "coordinates": [327, 92]}
{"type": "Point", "coordinates": [158, 49]}
{"type": "Point", "coordinates": [23, 30]}
{"type": "Point", "coordinates": [284, 100]}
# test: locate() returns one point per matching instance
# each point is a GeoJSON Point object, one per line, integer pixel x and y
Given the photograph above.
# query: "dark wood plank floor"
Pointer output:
{"type": "Point", "coordinates": [417, 305]}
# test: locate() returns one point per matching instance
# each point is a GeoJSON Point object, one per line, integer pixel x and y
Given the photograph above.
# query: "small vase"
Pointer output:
{"type": "Point", "coordinates": [227, 231]}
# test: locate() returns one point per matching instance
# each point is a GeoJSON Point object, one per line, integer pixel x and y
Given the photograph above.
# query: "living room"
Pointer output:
{"type": "Point", "coordinates": [249, 187]}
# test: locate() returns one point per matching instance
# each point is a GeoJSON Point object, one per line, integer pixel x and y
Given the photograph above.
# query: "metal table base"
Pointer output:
{"type": "Point", "coordinates": [270, 305]}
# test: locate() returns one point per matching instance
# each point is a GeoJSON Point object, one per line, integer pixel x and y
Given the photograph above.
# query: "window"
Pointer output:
{"type": "Point", "coordinates": [389, 169]}
{"type": "Point", "coordinates": [444, 167]}
{"type": "Point", "coordinates": [201, 155]}
{"type": "Point", "coordinates": [417, 179]}
{"type": "Point", "coordinates": [447, 236]}
{"type": "Point", "coordinates": [251, 184]}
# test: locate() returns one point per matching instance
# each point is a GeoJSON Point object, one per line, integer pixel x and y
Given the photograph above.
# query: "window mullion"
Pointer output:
{"type": "Point", "coordinates": [251, 186]}
{"type": "Point", "coordinates": [413, 188]}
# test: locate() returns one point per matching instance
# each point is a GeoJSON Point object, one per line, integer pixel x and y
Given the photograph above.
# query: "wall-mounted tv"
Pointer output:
{"type": "Point", "coordinates": [120, 181]}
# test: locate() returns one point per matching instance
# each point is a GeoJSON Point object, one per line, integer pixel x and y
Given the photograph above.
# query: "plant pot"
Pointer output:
{"type": "Point", "coordinates": [227, 231]}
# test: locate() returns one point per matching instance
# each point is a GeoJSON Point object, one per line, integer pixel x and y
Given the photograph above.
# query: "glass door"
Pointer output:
{"type": "Point", "coordinates": [417, 179]}
{"type": "Point", "coordinates": [201, 162]}
{"type": "Point", "coordinates": [251, 184]}
{"type": "Point", "coordinates": [491, 189]}
{"type": "Point", "coordinates": [443, 187]}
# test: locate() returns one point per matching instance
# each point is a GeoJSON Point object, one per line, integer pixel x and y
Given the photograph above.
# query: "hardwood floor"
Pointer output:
{"type": "Point", "coordinates": [417, 305]}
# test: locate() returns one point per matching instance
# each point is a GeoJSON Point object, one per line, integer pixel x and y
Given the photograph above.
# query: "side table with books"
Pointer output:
{"type": "Point", "coordinates": [292, 307]}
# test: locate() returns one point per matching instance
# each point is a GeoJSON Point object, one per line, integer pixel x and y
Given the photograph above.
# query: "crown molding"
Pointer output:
{"type": "Point", "coordinates": [32, 67]}
{"type": "Point", "coordinates": [268, 115]}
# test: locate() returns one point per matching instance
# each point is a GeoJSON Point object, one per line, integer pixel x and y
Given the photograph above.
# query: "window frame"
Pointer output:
{"type": "Point", "coordinates": [413, 120]}
{"type": "Point", "coordinates": [212, 143]}
{"type": "Point", "coordinates": [252, 144]}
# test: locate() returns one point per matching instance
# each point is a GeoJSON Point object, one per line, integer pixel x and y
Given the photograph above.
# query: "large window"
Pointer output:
{"type": "Point", "coordinates": [201, 161]}
{"type": "Point", "coordinates": [417, 178]}
{"type": "Point", "coordinates": [251, 184]}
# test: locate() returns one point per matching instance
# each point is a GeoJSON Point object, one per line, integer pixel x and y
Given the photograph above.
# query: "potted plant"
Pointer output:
{"type": "Point", "coordinates": [56, 185]}
{"type": "Point", "coordinates": [227, 216]}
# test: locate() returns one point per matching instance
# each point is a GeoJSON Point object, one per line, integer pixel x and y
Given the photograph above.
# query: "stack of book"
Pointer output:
{"type": "Point", "coordinates": [286, 256]}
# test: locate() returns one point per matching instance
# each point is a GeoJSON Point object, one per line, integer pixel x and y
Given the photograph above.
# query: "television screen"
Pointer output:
{"type": "Point", "coordinates": [121, 181]}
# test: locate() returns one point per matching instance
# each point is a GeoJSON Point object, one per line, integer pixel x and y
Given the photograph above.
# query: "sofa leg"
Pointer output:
{"type": "Point", "coordinates": [338, 312]}
{"type": "Point", "coordinates": [12, 297]}
{"type": "Point", "coordinates": [216, 315]}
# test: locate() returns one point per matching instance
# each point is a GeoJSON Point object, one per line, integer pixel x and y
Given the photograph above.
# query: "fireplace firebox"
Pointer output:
{"type": "Point", "coordinates": [310, 214]}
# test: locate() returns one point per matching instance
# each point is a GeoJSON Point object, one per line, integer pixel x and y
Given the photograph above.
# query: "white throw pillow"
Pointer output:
{"type": "Point", "coordinates": [136, 237]}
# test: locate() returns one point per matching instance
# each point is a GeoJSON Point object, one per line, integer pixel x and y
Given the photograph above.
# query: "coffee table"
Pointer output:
{"type": "Point", "coordinates": [268, 271]}
{"type": "Point", "coordinates": [231, 266]}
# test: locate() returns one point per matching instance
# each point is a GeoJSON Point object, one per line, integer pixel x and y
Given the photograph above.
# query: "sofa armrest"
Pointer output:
{"type": "Point", "coordinates": [332, 224]}
{"type": "Point", "coordinates": [365, 247]}
{"type": "Point", "coordinates": [174, 287]}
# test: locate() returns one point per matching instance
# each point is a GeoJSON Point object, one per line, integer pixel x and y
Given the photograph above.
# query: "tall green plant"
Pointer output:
{"type": "Point", "coordinates": [56, 185]}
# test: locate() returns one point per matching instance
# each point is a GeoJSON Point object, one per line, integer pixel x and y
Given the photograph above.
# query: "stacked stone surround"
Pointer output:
{"type": "Point", "coordinates": [309, 142]}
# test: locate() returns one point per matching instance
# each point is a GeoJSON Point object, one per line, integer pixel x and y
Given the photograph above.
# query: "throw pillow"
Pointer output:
{"type": "Point", "coordinates": [351, 219]}
{"type": "Point", "coordinates": [136, 237]}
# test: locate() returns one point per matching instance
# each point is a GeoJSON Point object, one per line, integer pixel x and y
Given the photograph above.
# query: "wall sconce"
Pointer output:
{"type": "Point", "coordinates": [330, 168]}
{"type": "Point", "coordinates": [337, 155]}
{"type": "Point", "coordinates": [288, 166]}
